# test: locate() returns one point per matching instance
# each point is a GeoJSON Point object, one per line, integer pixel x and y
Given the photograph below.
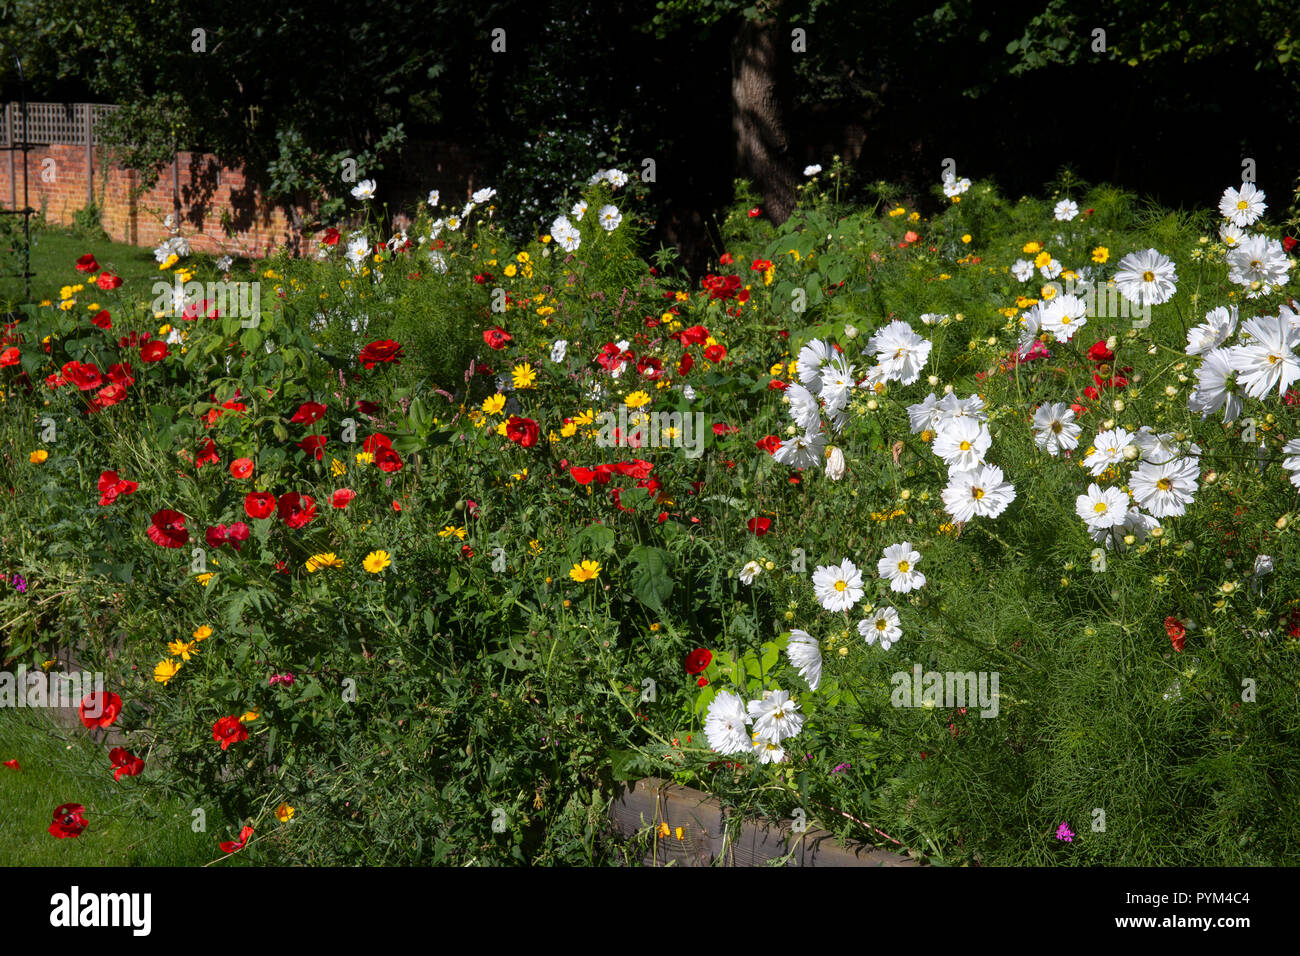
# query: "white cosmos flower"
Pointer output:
{"type": "Point", "coordinates": [452, 222]}
{"type": "Point", "coordinates": [224, 264]}
{"type": "Point", "coordinates": [1109, 451]}
{"type": "Point", "coordinates": [364, 189]}
{"type": "Point", "coordinates": [483, 195]}
{"type": "Point", "coordinates": [1022, 269]}
{"type": "Point", "coordinates": [900, 350]}
{"type": "Point", "coordinates": [932, 318]}
{"type": "Point", "coordinates": [1065, 210]}
{"type": "Point", "coordinates": [1052, 269]}
{"type": "Point", "coordinates": [1054, 428]}
{"type": "Point", "coordinates": [1146, 278]}
{"type": "Point", "coordinates": [1292, 462]}
{"type": "Point", "coordinates": [813, 359]}
{"type": "Point", "coordinates": [979, 492]}
{"type": "Point", "coordinates": [768, 751]}
{"type": "Point", "coordinates": [358, 251]}
{"type": "Point", "coordinates": [962, 442]}
{"type": "Point", "coordinates": [566, 234]}
{"type": "Point", "coordinates": [883, 626]}
{"type": "Point", "coordinates": [1102, 509]}
{"type": "Point", "coordinates": [898, 566]}
{"type": "Point", "coordinates": [1031, 323]}
{"type": "Point", "coordinates": [1231, 235]}
{"type": "Point", "coordinates": [1165, 489]}
{"type": "Point", "coordinates": [1064, 316]}
{"type": "Point", "coordinates": [805, 653]}
{"type": "Point", "coordinates": [803, 407]}
{"type": "Point", "coordinates": [750, 571]}
{"type": "Point", "coordinates": [689, 393]}
{"type": "Point", "coordinates": [1135, 523]}
{"type": "Point", "coordinates": [812, 170]}
{"type": "Point", "coordinates": [802, 451]}
{"type": "Point", "coordinates": [438, 262]}
{"type": "Point", "coordinates": [609, 217]}
{"type": "Point", "coordinates": [1158, 449]}
{"type": "Point", "coordinates": [597, 176]}
{"type": "Point", "coordinates": [616, 177]}
{"type": "Point", "coordinates": [724, 724]}
{"type": "Point", "coordinates": [837, 384]}
{"type": "Point", "coordinates": [579, 209]}
{"type": "Point", "coordinates": [1259, 259]}
{"type": "Point", "coordinates": [838, 587]}
{"type": "Point", "coordinates": [559, 350]}
{"type": "Point", "coordinates": [835, 467]}
{"type": "Point", "coordinates": [952, 186]}
{"type": "Point", "coordinates": [924, 415]}
{"type": "Point", "coordinates": [1266, 360]}
{"type": "Point", "coordinates": [953, 407]}
{"type": "Point", "coordinates": [1214, 390]}
{"type": "Point", "coordinates": [1242, 206]}
{"type": "Point", "coordinates": [433, 197]}
{"type": "Point", "coordinates": [775, 716]}
{"type": "Point", "coordinates": [1217, 328]}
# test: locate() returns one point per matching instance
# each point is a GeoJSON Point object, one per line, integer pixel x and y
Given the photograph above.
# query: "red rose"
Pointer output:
{"type": "Point", "coordinates": [124, 764]}
{"type": "Point", "coordinates": [100, 709]}
{"type": "Point", "coordinates": [87, 263]}
{"type": "Point", "coordinates": [101, 319]}
{"type": "Point", "coordinates": [259, 504]}
{"type": "Point", "coordinates": [69, 821]}
{"type": "Point", "coordinates": [698, 659]}
{"type": "Point", "coordinates": [227, 731]}
{"type": "Point", "coordinates": [342, 497]}
{"type": "Point", "coordinates": [314, 445]}
{"type": "Point", "coordinates": [297, 510]}
{"type": "Point", "coordinates": [307, 413]}
{"type": "Point", "coordinates": [522, 431]}
{"type": "Point", "coordinates": [153, 351]}
{"type": "Point", "coordinates": [241, 468]}
{"type": "Point", "coordinates": [496, 337]}
{"type": "Point", "coordinates": [234, 846]}
{"type": "Point", "coordinates": [387, 460]}
{"type": "Point", "coordinates": [107, 281]}
{"type": "Point", "coordinates": [760, 526]}
{"type": "Point", "coordinates": [167, 529]}
{"type": "Point", "coordinates": [384, 351]}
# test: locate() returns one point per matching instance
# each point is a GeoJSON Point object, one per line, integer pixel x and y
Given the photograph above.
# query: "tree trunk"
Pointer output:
{"type": "Point", "coordinates": [761, 147]}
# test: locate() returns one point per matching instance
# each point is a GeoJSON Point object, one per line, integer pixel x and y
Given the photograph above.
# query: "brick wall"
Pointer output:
{"type": "Point", "coordinates": [219, 208]}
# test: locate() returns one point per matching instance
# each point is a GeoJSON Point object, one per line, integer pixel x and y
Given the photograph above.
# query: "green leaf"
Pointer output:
{"type": "Point", "coordinates": [651, 582]}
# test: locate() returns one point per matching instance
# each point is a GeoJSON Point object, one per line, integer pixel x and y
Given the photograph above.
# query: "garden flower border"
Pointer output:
{"type": "Point", "coordinates": [653, 802]}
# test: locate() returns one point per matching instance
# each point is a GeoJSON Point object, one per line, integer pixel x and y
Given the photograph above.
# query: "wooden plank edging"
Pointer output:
{"type": "Point", "coordinates": [652, 801]}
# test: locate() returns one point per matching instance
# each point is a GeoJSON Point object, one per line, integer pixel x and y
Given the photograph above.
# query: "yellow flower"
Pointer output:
{"type": "Point", "coordinates": [327, 560]}
{"type": "Point", "coordinates": [38, 456]}
{"type": "Point", "coordinates": [202, 633]}
{"type": "Point", "coordinates": [1100, 254]}
{"type": "Point", "coordinates": [1031, 248]}
{"type": "Point", "coordinates": [364, 458]}
{"type": "Point", "coordinates": [1047, 292]}
{"type": "Point", "coordinates": [524, 376]}
{"type": "Point", "coordinates": [569, 430]}
{"type": "Point", "coordinates": [663, 830]}
{"type": "Point", "coordinates": [914, 217]}
{"type": "Point", "coordinates": [203, 578]}
{"type": "Point", "coordinates": [966, 238]}
{"type": "Point", "coordinates": [337, 467]}
{"type": "Point", "coordinates": [637, 399]}
{"type": "Point", "coordinates": [284, 813]}
{"type": "Point", "coordinates": [182, 649]}
{"type": "Point", "coordinates": [503, 429]}
{"type": "Point", "coordinates": [450, 530]}
{"type": "Point", "coordinates": [585, 418]}
{"type": "Point", "coordinates": [897, 211]}
{"type": "Point", "coordinates": [522, 257]}
{"type": "Point", "coordinates": [584, 571]}
{"type": "Point", "coordinates": [546, 310]}
{"type": "Point", "coordinates": [67, 304]}
{"type": "Point", "coordinates": [510, 270]}
{"type": "Point", "coordinates": [494, 404]}
{"type": "Point", "coordinates": [535, 546]}
{"type": "Point", "coordinates": [376, 561]}
{"type": "Point", "coordinates": [1042, 259]}
{"type": "Point", "coordinates": [165, 671]}
{"type": "Point", "coordinates": [249, 716]}
{"type": "Point", "coordinates": [654, 626]}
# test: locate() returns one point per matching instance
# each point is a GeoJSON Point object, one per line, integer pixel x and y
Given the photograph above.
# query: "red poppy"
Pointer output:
{"type": "Point", "coordinates": [761, 265]}
{"type": "Point", "coordinates": [727, 259]}
{"type": "Point", "coordinates": [229, 730]}
{"type": "Point", "coordinates": [307, 413]}
{"type": "Point", "coordinates": [387, 460]}
{"type": "Point", "coordinates": [215, 536]}
{"type": "Point", "coordinates": [87, 263]}
{"type": "Point", "coordinates": [650, 367]}
{"type": "Point", "coordinates": [10, 356]}
{"type": "Point", "coordinates": [110, 486]}
{"type": "Point", "coordinates": [396, 506]}
{"type": "Point", "coordinates": [330, 238]}
{"type": "Point", "coordinates": [582, 476]}
{"type": "Point", "coordinates": [466, 551]}
{"type": "Point", "coordinates": [1177, 632]}
{"type": "Point", "coordinates": [342, 497]}
{"type": "Point", "coordinates": [314, 445]}
{"type": "Point", "coordinates": [769, 444]}
{"type": "Point", "coordinates": [241, 468]}
{"type": "Point", "coordinates": [100, 709]}
{"type": "Point", "coordinates": [698, 659]}
{"type": "Point", "coordinates": [496, 337]}
{"type": "Point", "coordinates": [724, 429]}
{"type": "Point", "coordinates": [259, 504]}
{"type": "Point", "coordinates": [695, 335]}
{"type": "Point", "coordinates": [234, 846]}
{"type": "Point", "coordinates": [106, 397]}
{"type": "Point", "coordinates": [715, 353]}
{"type": "Point", "coordinates": [636, 468]}
{"type": "Point", "coordinates": [777, 385]}
{"type": "Point", "coordinates": [1099, 353]}
{"type": "Point", "coordinates": [153, 351]}
{"type": "Point", "coordinates": [702, 682]}
{"type": "Point", "coordinates": [107, 281]}
{"type": "Point", "coordinates": [69, 821]}
{"type": "Point", "coordinates": [1288, 243]}
{"type": "Point", "coordinates": [85, 377]}
{"type": "Point", "coordinates": [367, 408]}
{"type": "Point", "coordinates": [120, 372]}
{"type": "Point", "coordinates": [686, 364]}
{"type": "Point", "coordinates": [102, 319]}
{"type": "Point", "coordinates": [376, 442]}
{"type": "Point", "coordinates": [760, 526]}
{"type": "Point", "coordinates": [522, 431]}
{"type": "Point", "coordinates": [383, 351]}
{"type": "Point", "coordinates": [207, 455]}
{"type": "Point", "coordinates": [297, 510]}
{"type": "Point", "coordinates": [755, 213]}
{"type": "Point", "coordinates": [12, 765]}
{"type": "Point", "coordinates": [124, 764]}
{"type": "Point", "coordinates": [167, 529]}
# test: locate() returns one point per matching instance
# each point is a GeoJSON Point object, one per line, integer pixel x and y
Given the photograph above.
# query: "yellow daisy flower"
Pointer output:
{"type": "Point", "coordinates": [584, 571]}
{"type": "Point", "coordinates": [376, 561]}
